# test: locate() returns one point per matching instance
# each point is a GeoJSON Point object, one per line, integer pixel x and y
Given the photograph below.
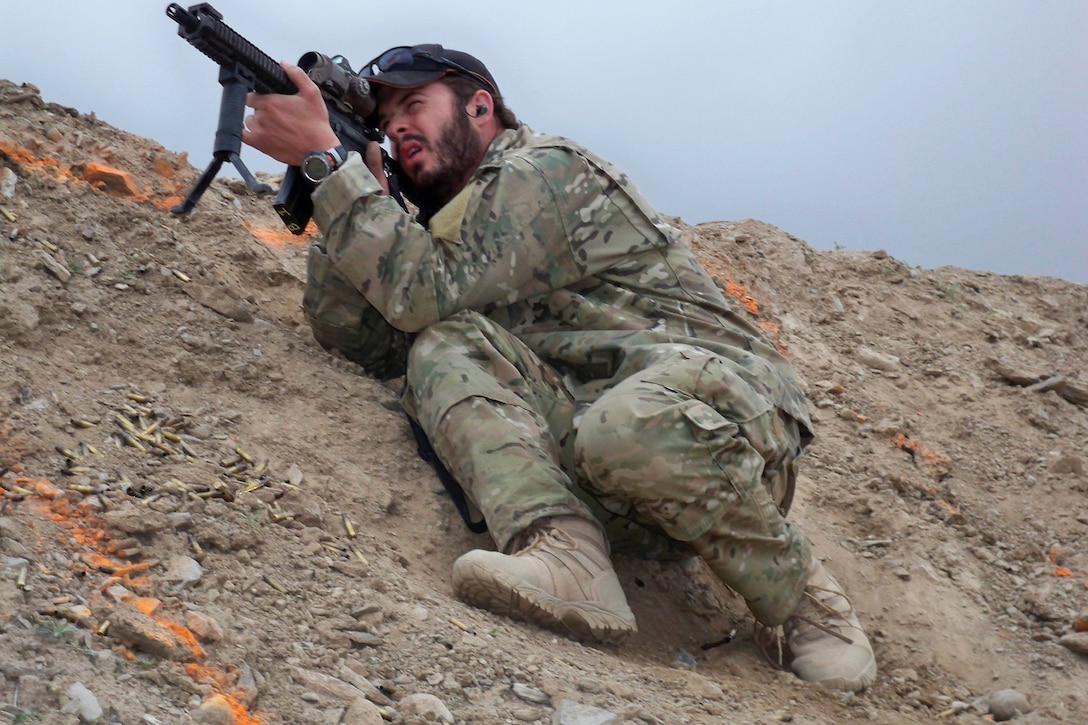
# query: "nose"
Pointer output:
{"type": "Point", "coordinates": [395, 126]}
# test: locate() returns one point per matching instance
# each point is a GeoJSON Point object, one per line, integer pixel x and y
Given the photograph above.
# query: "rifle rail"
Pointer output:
{"type": "Point", "coordinates": [203, 26]}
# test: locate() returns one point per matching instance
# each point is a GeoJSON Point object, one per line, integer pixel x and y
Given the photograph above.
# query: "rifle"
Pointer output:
{"type": "Point", "coordinates": [243, 68]}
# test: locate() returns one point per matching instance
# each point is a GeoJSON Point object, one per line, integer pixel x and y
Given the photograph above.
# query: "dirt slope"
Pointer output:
{"type": "Point", "coordinates": [207, 518]}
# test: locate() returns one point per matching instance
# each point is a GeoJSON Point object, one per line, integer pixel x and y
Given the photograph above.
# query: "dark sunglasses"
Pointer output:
{"type": "Point", "coordinates": [404, 56]}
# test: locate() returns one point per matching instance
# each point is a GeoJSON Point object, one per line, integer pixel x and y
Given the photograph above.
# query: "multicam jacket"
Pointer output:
{"type": "Point", "coordinates": [548, 240]}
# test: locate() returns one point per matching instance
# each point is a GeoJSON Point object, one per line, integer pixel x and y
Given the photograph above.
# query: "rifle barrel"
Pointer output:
{"type": "Point", "coordinates": [203, 26]}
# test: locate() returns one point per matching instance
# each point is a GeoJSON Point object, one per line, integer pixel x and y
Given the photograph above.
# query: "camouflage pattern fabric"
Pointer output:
{"type": "Point", "coordinates": [341, 319]}
{"type": "Point", "coordinates": [574, 357]}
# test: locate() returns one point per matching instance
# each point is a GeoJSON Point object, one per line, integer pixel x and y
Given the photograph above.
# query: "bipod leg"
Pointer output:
{"type": "Point", "coordinates": [199, 188]}
{"type": "Point", "coordinates": [251, 182]}
{"type": "Point", "coordinates": [237, 81]}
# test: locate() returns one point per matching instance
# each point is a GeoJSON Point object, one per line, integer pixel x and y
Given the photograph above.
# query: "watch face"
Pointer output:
{"type": "Point", "coordinates": [315, 167]}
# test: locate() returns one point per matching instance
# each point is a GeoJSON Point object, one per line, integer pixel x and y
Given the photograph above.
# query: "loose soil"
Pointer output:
{"type": "Point", "coordinates": [208, 518]}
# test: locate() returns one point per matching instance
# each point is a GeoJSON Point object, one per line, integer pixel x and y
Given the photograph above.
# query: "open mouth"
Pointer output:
{"type": "Point", "coordinates": [410, 150]}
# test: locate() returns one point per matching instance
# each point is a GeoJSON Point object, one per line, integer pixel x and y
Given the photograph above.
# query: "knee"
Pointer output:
{"type": "Point", "coordinates": [614, 449]}
{"type": "Point", "coordinates": [460, 333]}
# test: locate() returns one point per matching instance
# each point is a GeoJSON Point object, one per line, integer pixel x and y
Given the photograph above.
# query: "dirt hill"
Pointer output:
{"type": "Point", "coordinates": [208, 518]}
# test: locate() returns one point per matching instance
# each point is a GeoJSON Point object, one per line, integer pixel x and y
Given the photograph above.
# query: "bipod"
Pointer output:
{"type": "Point", "coordinates": [236, 82]}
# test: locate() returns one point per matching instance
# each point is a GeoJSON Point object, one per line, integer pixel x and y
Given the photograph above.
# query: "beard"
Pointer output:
{"type": "Point", "coordinates": [457, 153]}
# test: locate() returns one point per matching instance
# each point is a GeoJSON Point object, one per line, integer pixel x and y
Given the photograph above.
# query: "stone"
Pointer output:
{"type": "Point", "coordinates": [216, 710]}
{"type": "Point", "coordinates": [83, 702]}
{"type": "Point", "coordinates": [1076, 642]}
{"type": "Point", "coordinates": [876, 360]}
{"type": "Point", "coordinates": [204, 627]}
{"type": "Point", "coordinates": [427, 707]}
{"type": "Point", "coordinates": [569, 712]}
{"type": "Point", "coordinates": [1003, 705]}
{"type": "Point", "coordinates": [363, 712]}
{"type": "Point", "coordinates": [183, 569]}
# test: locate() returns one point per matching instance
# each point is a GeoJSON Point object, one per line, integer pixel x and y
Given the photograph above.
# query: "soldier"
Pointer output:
{"type": "Point", "coordinates": [574, 367]}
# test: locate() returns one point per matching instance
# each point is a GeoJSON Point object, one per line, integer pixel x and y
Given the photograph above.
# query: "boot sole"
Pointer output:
{"type": "Point", "coordinates": [854, 683]}
{"type": "Point", "coordinates": [490, 590]}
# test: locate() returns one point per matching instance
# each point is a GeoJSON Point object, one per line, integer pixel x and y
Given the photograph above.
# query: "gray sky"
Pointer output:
{"type": "Point", "coordinates": [947, 133]}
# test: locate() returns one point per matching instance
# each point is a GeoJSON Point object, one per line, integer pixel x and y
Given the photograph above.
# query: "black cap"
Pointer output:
{"type": "Point", "coordinates": [417, 65]}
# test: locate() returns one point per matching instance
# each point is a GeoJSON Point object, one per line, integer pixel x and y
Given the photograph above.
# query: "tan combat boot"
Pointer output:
{"type": "Point", "coordinates": [825, 637]}
{"type": "Point", "coordinates": [561, 575]}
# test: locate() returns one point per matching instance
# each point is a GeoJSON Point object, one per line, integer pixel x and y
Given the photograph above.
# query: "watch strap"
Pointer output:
{"type": "Point", "coordinates": [330, 159]}
{"type": "Point", "coordinates": [339, 154]}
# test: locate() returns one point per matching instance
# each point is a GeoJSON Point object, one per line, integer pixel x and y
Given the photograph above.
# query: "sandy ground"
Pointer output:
{"type": "Point", "coordinates": [207, 518]}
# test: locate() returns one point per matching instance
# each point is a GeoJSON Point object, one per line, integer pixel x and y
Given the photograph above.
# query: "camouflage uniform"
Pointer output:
{"type": "Point", "coordinates": [572, 357]}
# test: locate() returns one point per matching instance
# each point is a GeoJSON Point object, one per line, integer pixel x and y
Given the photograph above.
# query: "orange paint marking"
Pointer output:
{"type": "Point", "coordinates": [99, 176]}
{"type": "Point", "coordinates": [280, 238]}
{"type": "Point", "coordinates": [87, 531]}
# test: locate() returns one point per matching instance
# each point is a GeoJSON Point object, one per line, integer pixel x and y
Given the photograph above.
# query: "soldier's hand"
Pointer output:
{"type": "Point", "coordinates": [287, 127]}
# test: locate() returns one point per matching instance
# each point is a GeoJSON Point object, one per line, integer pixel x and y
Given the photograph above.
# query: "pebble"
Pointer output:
{"type": "Point", "coordinates": [136, 520]}
{"type": "Point", "coordinates": [877, 361]}
{"type": "Point", "coordinates": [1076, 642]}
{"type": "Point", "coordinates": [8, 180]}
{"type": "Point", "coordinates": [15, 564]}
{"type": "Point", "coordinates": [1003, 705]}
{"type": "Point", "coordinates": [570, 712]}
{"type": "Point", "coordinates": [683, 661]}
{"type": "Point", "coordinates": [184, 570]}
{"type": "Point", "coordinates": [214, 711]}
{"type": "Point", "coordinates": [83, 701]}
{"type": "Point", "coordinates": [427, 707]}
{"type": "Point", "coordinates": [204, 627]}
{"type": "Point", "coordinates": [363, 712]}
{"type": "Point", "coordinates": [532, 694]}
{"type": "Point", "coordinates": [525, 714]}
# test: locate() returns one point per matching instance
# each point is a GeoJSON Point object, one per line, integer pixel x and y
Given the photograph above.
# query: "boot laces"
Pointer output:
{"type": "Point", "coordinates": [540, 537]}
{"type": "Point", "coordinates": [772, 642]}
{"type": "Point", "coordinates": [812, 595]}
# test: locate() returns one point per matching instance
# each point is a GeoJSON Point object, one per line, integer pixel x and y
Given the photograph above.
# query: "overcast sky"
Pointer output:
{"type": "Point", "coordinates": [947, 133]}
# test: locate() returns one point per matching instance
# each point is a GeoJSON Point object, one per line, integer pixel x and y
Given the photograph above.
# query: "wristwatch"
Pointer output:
{"type": "Point", "coordinates": [317, 165]}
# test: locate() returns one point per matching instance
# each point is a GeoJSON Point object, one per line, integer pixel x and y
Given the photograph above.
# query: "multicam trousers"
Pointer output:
{"type": "Point", "coordinates": [680, 454]}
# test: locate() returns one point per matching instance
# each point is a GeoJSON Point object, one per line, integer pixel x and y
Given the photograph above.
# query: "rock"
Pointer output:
{"type": "Point", "coordinates": [1080, 622]}
{"type": "Point", "coordinates": [136, 520]}
{"type": "Point", "coordinates": [531, 694]}
{"type": "Point", "coordinates": [327, 685]}
{"type": "Point", "coordinates": [216, 710]}
{"type": "Point", "coordinates": [246, 690]}
{"type": "Point", "coordinates": [426, 707]}
{"type": "Point", "coordinates": [132, 626]}
{"type": "Point", "coordinates": [1003, 705]}
{"type": "Point", "coordinates": [875, 360]}
{"type": "Point", "coordinates": [575, 713]}
{"type": "Point", "coordinates": [183, 569]}
{"type": "Point", "coordinates": [8, 180]}
{"type": "Point", "coordinates": [220, 300]}
{"type": "Point", "coordinates": [683, 661]}
{"type": "Point", "coordinates": [84, 702]}
{"type": "Point", "coordinates": [363, 712]}
{"type": "Point", "coordinates": [1076, 642]}
{"type": "Point", "coordinates": [1068, 465]}
{"type": "Point", "coordinates": [15, 565]}
{"type": "Point", "coordinates": [204, 627]}
{"type": "Point", "coordinates": [114, 181]}
{"type": "Point", "coordinates": [347, 674]}
{"type": "Point", "coordinates": [55, 267]}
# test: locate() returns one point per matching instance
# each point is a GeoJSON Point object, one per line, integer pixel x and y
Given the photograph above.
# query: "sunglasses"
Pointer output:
{"type": "Point", "coordinates": [403, 57]}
